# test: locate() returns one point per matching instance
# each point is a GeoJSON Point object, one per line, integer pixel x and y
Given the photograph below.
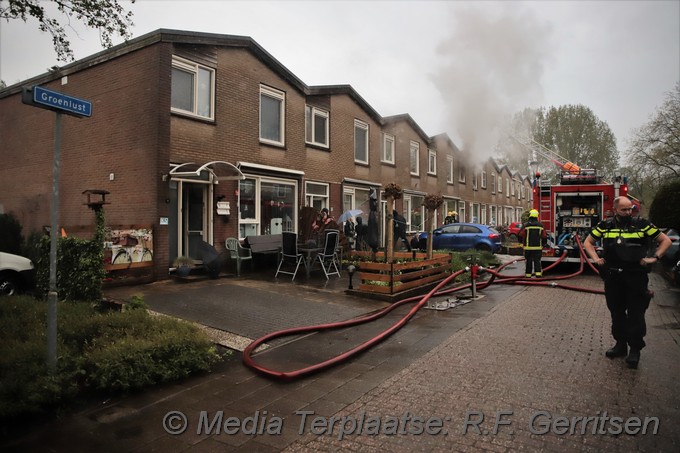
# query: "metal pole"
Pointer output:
{"type": "Point", "coordinates": [54, 235]}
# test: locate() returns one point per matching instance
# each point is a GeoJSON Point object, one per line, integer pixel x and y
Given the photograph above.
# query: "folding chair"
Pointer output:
{"type": "Point", "coordinates": [290, 254]}
{"type": "Point", "coordinates": [328, 258]}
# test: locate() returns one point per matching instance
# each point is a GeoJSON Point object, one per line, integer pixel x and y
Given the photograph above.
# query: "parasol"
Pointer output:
{"type": "Point", "coordinates": [349, 214]}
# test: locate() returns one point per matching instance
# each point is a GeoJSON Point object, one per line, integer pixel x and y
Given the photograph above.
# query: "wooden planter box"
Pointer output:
{"type": "Point", "coordinates": [400, 278]}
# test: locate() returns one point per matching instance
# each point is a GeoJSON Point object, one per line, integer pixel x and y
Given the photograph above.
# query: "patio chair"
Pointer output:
{"type": "Point", "coordinates": [290, 254]}
{"type": "Point", "coordinates": [328, 257]}
{"type": "Point", "coordinates": [238, 252]}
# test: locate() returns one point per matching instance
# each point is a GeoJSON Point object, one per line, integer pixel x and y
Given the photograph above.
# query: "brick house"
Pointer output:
{"type": "Point", "coordinates": [200, 136]}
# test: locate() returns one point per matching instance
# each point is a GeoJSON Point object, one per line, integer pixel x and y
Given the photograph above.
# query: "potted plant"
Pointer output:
{"type": "Point", "coordinates": [183, 265]}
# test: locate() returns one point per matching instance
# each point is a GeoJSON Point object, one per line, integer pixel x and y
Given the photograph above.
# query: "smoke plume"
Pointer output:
{"type": "Point", "coordinates": [491, 66]}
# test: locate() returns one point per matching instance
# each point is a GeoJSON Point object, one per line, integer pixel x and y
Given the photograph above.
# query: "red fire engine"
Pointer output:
{"type": "Point", "coordinates": [574, 205]}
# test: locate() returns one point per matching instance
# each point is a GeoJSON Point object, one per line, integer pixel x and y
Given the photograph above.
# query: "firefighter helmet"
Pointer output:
{"type": "Point", "coordinates": [533, 213]}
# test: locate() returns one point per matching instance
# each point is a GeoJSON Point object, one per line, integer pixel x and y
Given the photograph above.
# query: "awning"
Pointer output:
{"type": "Point", "coordinates": [221, 171]}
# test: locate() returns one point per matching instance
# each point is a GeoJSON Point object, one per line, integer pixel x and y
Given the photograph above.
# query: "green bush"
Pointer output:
{"type": "Point", "coordinates": [664, 210]}
{"type": "Point", "coordinates": [104, 352]}
{"type": "Point", "coordinates": [80, 268]}
{"type": "Point", "coordinates": [10, 234]}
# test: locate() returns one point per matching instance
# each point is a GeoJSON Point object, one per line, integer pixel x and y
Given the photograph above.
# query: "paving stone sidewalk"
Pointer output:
{"type": "Point", "coordinates": [534, 359]}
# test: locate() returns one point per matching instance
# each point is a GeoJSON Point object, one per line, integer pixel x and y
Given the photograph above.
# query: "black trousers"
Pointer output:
{"type": "Point", "coordinates": [627, 300]}
{"type": "Point", "coordinates": [533, 261]}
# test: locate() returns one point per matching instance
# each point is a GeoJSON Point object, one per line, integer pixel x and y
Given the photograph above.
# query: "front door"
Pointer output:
{"type": "Point", "coordinates": [194, 218]}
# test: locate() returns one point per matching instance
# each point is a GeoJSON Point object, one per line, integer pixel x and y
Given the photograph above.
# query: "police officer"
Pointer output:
{"type": "Point", "coordinates": [624, 266]}
{"type": "Point", "coordinates": [533, 237]}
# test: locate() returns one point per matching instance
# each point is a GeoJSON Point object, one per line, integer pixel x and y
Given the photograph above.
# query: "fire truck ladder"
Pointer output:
{"type": "Point", "coordinates": [538, 149]}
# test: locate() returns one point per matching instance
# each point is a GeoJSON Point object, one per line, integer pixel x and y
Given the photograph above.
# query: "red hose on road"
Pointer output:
{"type": "Point", "coordinates": [516, 280]}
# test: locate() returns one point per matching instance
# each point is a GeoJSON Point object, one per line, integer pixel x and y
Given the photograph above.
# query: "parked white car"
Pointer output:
{"type": "Point", "coordinates": [16, 273]}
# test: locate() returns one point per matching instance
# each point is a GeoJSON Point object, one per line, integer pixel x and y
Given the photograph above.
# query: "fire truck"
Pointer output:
{"type": "Point", "coordinates": [572, 205]}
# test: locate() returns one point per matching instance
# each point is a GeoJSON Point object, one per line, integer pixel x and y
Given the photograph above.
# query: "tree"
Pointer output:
{"type": "Point", "coordinates": [655, 148]}
{"type": "Point", "coordinates": [107, 16]}
{"type": "Point", "coordinates": [572, 132]}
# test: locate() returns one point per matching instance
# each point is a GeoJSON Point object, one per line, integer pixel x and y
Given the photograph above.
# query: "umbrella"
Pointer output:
{"type": "Point", "coordinates": [349, 214]}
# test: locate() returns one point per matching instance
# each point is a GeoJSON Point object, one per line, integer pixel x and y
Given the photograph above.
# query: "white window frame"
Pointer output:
{"type": "Point", "coordinates": [483, 182]}
{"type": "Point", "coordinates": [474, 180]}
{"type": "Point", "coordinates": [483, 214]}
{"type": "Point", "coordinates": [507, 187]}
{"type": "Point", "coordinates": [194, 68]}
{"type": "Point", "coordinates": [311, 115]}
{"type": "Point", "coordinates": [361, 127]}
{"type": "Point", "coordinates": [462, 169]}
{"type": "Point", "coordinates": [431, 162]}
{"type": "Point", "coordinates": [512, 188]}
{"type": "Point", "coordinates": [493, 182]}
{"type": "Point", "coordinates": [388, 148]}
{"type": "Point", "coordinates": [414, 151]}
{"type": "Point", "coordinates": [449, 169]}
{"type": "Point", "coordinates": [311, 197]}
{"type": "Point", "coordinates": [500, 184]}
{"type": "Point", "coordinates": [257, 216]}
{"type": "Point", "coordinates": [461, 211]}
{"type": "Point", "coordinates": [281, 97]}
{"type": "Point", "coordinates": [408, 210]}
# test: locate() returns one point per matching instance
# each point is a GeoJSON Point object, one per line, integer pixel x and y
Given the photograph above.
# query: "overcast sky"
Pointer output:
{"type": "Point", "coordinates": [455, 66]}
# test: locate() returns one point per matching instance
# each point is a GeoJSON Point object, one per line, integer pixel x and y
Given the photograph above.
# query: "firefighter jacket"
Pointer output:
{"type": "Point", "coordinates": [533, 235]}
{"type": "Point", "coordinates": [625, 240]}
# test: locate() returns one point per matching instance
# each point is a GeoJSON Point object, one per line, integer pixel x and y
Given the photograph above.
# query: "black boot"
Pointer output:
{"type": "Point", "coordinates": [633, 358]}
{"type": "Point", "coordinates": [619, 350]}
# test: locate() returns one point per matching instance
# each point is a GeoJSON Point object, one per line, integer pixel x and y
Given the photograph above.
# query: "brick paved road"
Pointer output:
{"type": "Point", "coordinates": [540, 351]}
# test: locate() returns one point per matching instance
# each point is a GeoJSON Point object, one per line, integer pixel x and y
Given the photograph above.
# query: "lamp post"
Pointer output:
{"type": "Point", "coordinates": [351, 269]}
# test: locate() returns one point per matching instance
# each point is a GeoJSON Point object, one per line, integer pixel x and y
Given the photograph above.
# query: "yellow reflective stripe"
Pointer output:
{"type": "Point", "coordinates": [533, 247]}
{"type": "Point", "coordinates": [636, 235]}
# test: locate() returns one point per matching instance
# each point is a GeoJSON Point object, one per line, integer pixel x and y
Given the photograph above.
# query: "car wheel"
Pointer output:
{"type": "Point", "coordinates": [8, 285]}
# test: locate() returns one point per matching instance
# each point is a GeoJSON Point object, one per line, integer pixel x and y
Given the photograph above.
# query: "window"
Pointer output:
{"type": "Point", "coordinates": [475, 212]}
{"type": "Point", "coordinates": [272, 122]}
{"type": "Point", "coordinates": [500, 184]}
{"type": "Point", "coordinates": [483, 179]}
{"type": "Point", "coordinates": [493, 182]}
{"type": "Point", "coordinates": [267, 206]}
{"type": "Point", "coordinates": [492, 212]}
{"type": "Point", "coordinates": [415, 157]}
{"type": "Point", "coordinates": [512, 185]}
{"type": "Point", "coordinates": [360, 142]}
{"type": "Point", "coordinates": [414, 212]}
{"type": "Point", "coordinates": [449, 169]}
{"type": "Point", "coordinates": [461, 211]}
{"type": "Point", "coordinates": [507, 187]}
{"type": "Point", "coordinates": [483, 212]}
{"type": "Point", "coordinates": [316, 195]}
{"type": "Point", "coordinates": [474, 180]}
{"type": "Point", "coordinates": [316, 126]}
{"type": "Point", "coordinates": [431, 162]}
{"type": "Point", "coordinates": [193, 89]}
{"type": "Point", "coordinates": [388, 148]}
{"type": "Point", "coordinates": [461, 173]}
{"type": "Point", "coordinates": [522, 191]}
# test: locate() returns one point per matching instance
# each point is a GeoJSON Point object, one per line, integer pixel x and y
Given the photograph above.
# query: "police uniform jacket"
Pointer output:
{"type": "Point", "coordinates": [625, 241]}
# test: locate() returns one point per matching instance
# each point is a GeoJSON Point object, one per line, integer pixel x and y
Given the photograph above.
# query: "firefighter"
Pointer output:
{"type": "Point", "coordinates": [452, 217]}
{"type": "Point", "coordinates": [533, 237]}
{"type": "Point", "coordinates": [624, 267]}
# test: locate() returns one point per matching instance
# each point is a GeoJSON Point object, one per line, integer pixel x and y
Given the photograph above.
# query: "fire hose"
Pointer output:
{"type": "Point", "coordinates": [495, 276]}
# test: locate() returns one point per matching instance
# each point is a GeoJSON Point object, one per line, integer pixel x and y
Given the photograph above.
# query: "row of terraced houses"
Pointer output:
{"type": "Point", "coordinates": [200, 136]}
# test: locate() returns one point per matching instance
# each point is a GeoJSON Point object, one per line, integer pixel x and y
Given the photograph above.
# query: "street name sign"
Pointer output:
{"type": "Point", "coordinates": [53, 100]}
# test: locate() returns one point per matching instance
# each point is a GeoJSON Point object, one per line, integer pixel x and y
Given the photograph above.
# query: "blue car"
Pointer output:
{"type": "Point", "coordinates": [461, 236]}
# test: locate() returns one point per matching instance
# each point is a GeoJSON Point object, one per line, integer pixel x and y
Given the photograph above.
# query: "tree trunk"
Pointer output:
{"type": "Point", "coordinates": [430, 226]}
{"type": "Point", "coordinates": [389, 246]}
